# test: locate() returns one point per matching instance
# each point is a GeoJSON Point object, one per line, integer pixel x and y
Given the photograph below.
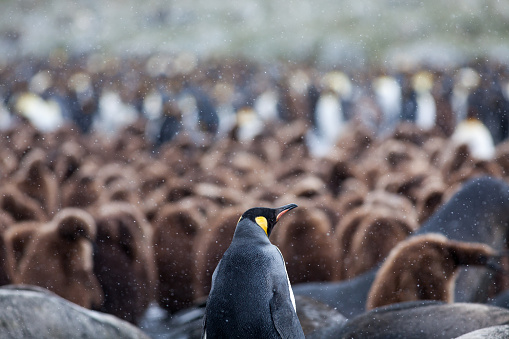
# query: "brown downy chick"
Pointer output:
{"type": "Point", "coordinates": [424, 268]}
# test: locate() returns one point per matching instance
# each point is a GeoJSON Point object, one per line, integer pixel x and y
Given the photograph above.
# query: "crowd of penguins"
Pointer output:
{"type": "Point", "coordinates": [122, 180]}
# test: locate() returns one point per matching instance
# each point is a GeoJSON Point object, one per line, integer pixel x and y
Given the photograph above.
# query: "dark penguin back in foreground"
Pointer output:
{"type": "Point", "coordinates": [242, 273]}
{"type": "Point", "coordinates": [250, 295]}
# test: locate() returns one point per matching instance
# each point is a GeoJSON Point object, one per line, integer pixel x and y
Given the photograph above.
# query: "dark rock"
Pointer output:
{"type": "Point", "coordinates": [315, 317]}
{"type": "Point", "coordinates": [422, 320]}
{"type": "Point", "coordinates": [495, 332]}
{"type": "Point", "coordinates": [32, 312]}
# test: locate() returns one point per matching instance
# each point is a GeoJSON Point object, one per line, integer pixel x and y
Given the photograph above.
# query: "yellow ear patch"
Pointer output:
{"type": "Point", "coordinates": [262, 222]}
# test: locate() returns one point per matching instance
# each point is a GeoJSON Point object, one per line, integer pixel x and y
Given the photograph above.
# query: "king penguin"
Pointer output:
{"type": "Point", "coordinates": [251, 296]}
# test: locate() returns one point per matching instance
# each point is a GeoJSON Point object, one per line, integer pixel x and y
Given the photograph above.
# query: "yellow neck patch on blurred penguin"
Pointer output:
{"type": "Point", "coordinates": [262, 222]}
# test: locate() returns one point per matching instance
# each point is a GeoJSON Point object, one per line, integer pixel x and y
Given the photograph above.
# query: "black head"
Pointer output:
{"type": "Point", "coordinates": [265, 217]}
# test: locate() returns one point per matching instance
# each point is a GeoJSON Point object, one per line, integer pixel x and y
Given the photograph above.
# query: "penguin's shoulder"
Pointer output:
{"type": "Point", "coordinates": [260, 254]}
{"type": "Point", "coordinates": [241, 258]}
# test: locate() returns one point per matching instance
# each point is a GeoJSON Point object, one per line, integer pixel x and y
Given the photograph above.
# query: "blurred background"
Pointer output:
{"type": "Point", "coordinates": [353, 34]}
{"type": "Point", "coordinates": [377, 108]}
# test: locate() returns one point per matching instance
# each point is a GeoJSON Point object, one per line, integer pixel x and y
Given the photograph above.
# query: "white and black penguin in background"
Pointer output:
{"type": "Point", "coordinates": [251, 296]}
{"type": "Point", "coordinates": [329, 116]}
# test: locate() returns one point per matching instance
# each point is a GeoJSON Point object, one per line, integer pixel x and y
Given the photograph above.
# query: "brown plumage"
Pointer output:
{"type": "Point", "coordinates": [424, 268]}
{"type": "Point", "coordinates": [389, 156]}
{"type": "Point", "coordinates": [82, 188]}
{"type": "Point", "coordinates": [220, 196]}
{"type": "Point", "coordinates": [410, 182]}
{"type": "Point", "coordinates": [175, 229]}
{"type": "Point", "coordinates": [210, 245]}
{"type": "Point", "coordinates": [19, 206]}
{"type": "Point", "coordinates": [5, 263]}
{"type": "Point", "coordinates": [67, 159]}
{"type": "Point", "coordinates": [16, 239]}
{"type": "Point", "coordinates": [366, 235]}
{"type": "Point", "coordinates": [119, 183]}
{"type": "Point", "coordinates": [59, 257]}
{"type": "Point", "coordinates": [340, 171]}
{"type": "Point", "coordinates": [356, 140]}
{"type": "Point", "coordinates": [152, 177]}
{"type": "Point", "coordinates": [292, 138]}
{"type": "Point", "coordinates": [305, 240]}
{"type": "Point", "coordinates": [36, 181]}
{"type": "Point", "coordinates": [411, 133]}
{"type": "Point", "coordinates": [352, 197]}
{"type": "Point", "coordinates": [309, 186]}
{"type": "Point", "coordinates": [442, 94]}
{"type": "Point", "coordinates": [109, 174]}
{"type": "Point", "coordinates": [429, 197]}
{"type": "Point", "coordinates": [123, 260]}
{"type": "Point", "coordinates": [178, 188]}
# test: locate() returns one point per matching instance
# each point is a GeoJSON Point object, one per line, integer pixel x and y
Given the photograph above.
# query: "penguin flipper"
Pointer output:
{"type": "Point", "coordinates": [284, 318]}
{"type": "Point", "coordinates": [204, 328]}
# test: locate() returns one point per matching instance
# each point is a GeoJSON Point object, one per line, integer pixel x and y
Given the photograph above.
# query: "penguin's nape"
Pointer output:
{"type": "Point", "coordinates": [283, 209]}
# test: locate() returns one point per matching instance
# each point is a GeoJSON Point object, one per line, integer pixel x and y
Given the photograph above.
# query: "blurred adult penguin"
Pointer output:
{"type": "Point", "coordinates": [251, 296]}
{"type": "Point", "coordinates": [418, 105]}
{"type": "Point", "coordinates": [83, 100]}
{"type": "Point", "coordinates": [45, 115]}
{"type": "Point", "coordinates": [171, 123]}
{"type": "Point", "coordinates": [199, 115]}
{"type": "Point", "coordinates": [442, 93]}
{"type": "Point", "coordinates": [473, 133]}
{"type": "Point", "coordinates": [426, 113]}
{"type": "Point", "coordinates": [248, 125]}
{"type": "Point", "coordinates": [408, 98]}
{"type": "Point", "coordinates": [488, 103]}
{"type": "Point", "coordinates": [388, 96]}
{"type": "Point", "coordinates": [471, 129]}
{"type": "Point", "coordinates": [113, 112]}
{"type": "Point", "coordinates": [465, 82]}
{"type": "Point", "coordinates": [329, 117]}
{"type": "Point", "coordinates": [6, 118]}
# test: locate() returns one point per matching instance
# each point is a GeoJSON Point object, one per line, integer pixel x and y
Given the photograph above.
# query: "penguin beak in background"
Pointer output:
{"type": "Point", "coordinates": [283, 209]}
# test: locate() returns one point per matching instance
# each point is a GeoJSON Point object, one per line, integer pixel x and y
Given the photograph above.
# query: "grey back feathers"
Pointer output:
{"type": "Point", "coordinates": [251, 295]}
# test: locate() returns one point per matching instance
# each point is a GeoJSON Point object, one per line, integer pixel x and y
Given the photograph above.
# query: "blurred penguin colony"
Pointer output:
{"type": "Point", "coordinates": [122, 179]}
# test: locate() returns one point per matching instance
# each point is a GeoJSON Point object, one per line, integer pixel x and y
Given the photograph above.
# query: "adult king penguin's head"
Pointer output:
{"type": "Point", "coordinates": [266, 218]}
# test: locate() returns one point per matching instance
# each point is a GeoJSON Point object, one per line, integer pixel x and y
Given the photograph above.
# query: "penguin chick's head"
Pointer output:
{"type": "Point", "coordinates": [265, 217]}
